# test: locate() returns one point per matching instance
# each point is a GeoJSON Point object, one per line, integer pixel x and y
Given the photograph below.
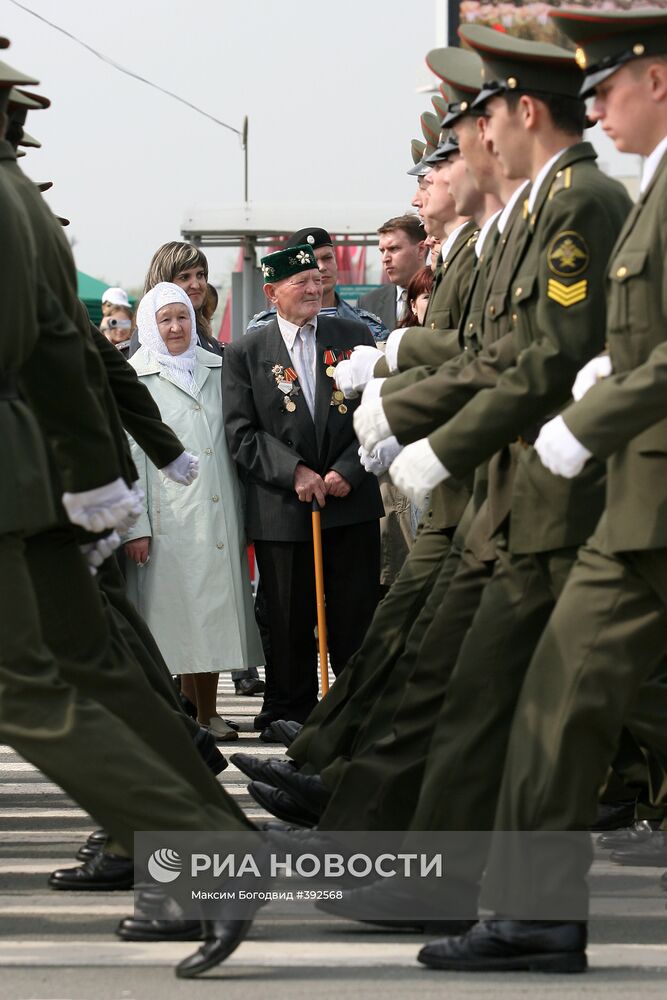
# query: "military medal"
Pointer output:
{"type": "Point", "coordinates": [286, 380]}
{"type": "Point", "coordinates": [331, 371]}
{"type": "Point", "coordinates": [338, 396]}
{"type": "Point", "coordinates": [331, 359]}
{"type": "Point", "coordinates": [342, 408]}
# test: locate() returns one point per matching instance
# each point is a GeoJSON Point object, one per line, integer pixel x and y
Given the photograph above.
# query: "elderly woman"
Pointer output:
{"type": "Point", "coordinates": [188, 571]}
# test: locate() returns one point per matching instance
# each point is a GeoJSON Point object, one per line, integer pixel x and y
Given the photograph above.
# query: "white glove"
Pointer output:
{"type": "Point", "coordinates": [372, 391]}
{"type": "Point", "coordinates": [391, 350]}
{"type": "Point", "coordinates": [591, 373]}
{"type": "Point", "coordinates": [370, 462]}
{"type": "Point", "coordinates": [97, 552]}
{"type": "Point", "coordinates": [559, 449]}
{"type": "Point", "coordinates": [417, 470]}
{"type": "Point", "coordinates": [352, 375]}
{"type": "Point", "coordinates": [102, 508]}
{"type": "Point", "coordinates": [183, 470]}
{"type": "Point", "coordinates": [384, 453]}
{"type": "Point", "coordinates": [134, 514]}
{"type": "Point", "coordinates": [370, 424]}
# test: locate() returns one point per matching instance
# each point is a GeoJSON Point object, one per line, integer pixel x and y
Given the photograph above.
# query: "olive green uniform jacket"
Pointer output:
{"type": "Point", "coordinates": [622, 418]}
{"type": "Point", "coordinates": [558, 318]}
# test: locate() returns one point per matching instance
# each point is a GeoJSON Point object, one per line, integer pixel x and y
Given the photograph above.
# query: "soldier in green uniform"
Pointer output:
{"type": "Point", "coordinates": [53, 723]}
{"type": "Point", "coordinates": [555, 316]}
{"type": "Point", "coordinates": [608, 631]}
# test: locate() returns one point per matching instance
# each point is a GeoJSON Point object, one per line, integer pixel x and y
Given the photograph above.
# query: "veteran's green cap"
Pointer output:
{"type": "Point", "coordinates": [286, 263]}
{"type": "Point", "coordinates": [461, 72]}
{"type": "Point", "coordinates": [606, 40]}
{"type": "Point", "coordinates": [516, 64]}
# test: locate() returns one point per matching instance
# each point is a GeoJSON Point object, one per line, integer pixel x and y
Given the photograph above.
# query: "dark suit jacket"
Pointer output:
{"type": "Point", "coordinates": [268, 442]}
{"type": "Point", "coordinates": [382, 302]}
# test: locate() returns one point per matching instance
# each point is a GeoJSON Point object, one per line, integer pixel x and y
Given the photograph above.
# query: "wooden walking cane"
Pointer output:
{"type": "Point", "coordinates": [319, 592]}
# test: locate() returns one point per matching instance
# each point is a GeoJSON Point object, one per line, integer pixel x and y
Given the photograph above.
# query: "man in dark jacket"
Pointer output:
{"type": "Point", "coordinates": [290, 431]}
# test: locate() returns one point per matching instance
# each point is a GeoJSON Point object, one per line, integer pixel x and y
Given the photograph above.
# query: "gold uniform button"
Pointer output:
{"type": "Point", "coordinates": [215, 498]}
{"type": "Point", "coordinates": [445, 265]}
{"type": "Point", "coordinates": [220, 545]}
{"type": "Point", "coordinates": [208, 451]}
{"type": "Point", "coordinates": [433, 326]}
{"type": "Point", "coordinates": [470, 325]}
{"type": "Point", "coordinates": [514, 317]}
{"type": "Point", "coordinates": [492, 310]}
{"type": "Point", "coordinates": [517, 292]}
{"type": "Point", "coordinates": [622, 271]}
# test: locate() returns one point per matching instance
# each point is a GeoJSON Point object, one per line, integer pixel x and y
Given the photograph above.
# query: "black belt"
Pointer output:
{"type": "Point", "coordinates": [8, 387]}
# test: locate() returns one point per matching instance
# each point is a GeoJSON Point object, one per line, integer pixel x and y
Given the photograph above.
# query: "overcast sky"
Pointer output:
{"type": "Point", "coordinates": [330, 91]}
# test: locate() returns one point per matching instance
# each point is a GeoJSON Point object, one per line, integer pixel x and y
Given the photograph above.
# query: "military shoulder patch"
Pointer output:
{"type": "Point", "coordinates": [567, 295]}
{"type": "Point", "coordinates": [568, 254]}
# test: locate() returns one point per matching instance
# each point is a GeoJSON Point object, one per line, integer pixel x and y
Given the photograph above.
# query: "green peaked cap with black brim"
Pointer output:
{"type": "Point", "coordinates": [515, 65]}
{"type": "Point", "coordinates": [287, 263]}
{"type": "Point", "coordinates": [607, 40]}
{"type": "Point", "coordinates": [461, 72]}
{"type": "Point", "coordinates": [449, 145]}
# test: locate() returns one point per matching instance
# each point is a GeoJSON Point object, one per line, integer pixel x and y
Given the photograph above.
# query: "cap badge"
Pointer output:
{"type": "Point", "coordinates": [580, 58]}
{"type": "Point", "coordinates": [310, 239]}
{"type": "Point", "coordinates": [512, 82]}
{"type": "Point", "coordinates": [638, 49]}
{"type": "Point", "coordinates": [463, 106]}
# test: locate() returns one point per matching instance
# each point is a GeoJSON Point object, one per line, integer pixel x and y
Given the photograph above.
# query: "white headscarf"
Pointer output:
{"type": "Point", "coordinates": [181, 367]}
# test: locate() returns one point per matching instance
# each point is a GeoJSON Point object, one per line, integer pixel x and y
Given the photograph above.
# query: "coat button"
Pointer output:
{"type": "Point", "coordinates": [196, 407]}
{"type": "Point", "coordinates": [433, 326]}
{"type": "Point", "coordinates": [622, 271]}
{"type": "Point", "coordinates": [215, 498]}
{"type": "Point", "coordinates": [289, 442]}
{"type": "Point", "coordinates": [492, 310]}
{"type": "Point", "coordinates": [220, 545]}
{"type": "Point", "coordinates": [518, 292]}
{"type": "Point", "coordinates": [208, 451]}
{"type": "Point", "coordinates": [514, 317]}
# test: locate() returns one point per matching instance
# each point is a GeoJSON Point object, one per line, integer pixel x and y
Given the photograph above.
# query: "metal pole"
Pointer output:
{"type": "Point", "coordinates": [248, 279]}
{"type": "Point", "coordinates": [319, 594]}
{"type": "Point", "coordinates": [244, 142]}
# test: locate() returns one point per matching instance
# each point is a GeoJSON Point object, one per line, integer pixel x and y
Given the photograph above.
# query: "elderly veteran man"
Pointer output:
{"type": "Point", "coordinates": [574, 214]}
{"type": "Point", "coordinates": [291, 434]}
{"type": "Point", "coordinates": [332, 305]}
{"type": "Point", "coordinates": [607, 633]}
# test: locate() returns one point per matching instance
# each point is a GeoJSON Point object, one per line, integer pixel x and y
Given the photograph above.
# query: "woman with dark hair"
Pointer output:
{"type": "Point", "coordinates": [419, 291]}
{"type": "Point", "coordinates": [186, 266]}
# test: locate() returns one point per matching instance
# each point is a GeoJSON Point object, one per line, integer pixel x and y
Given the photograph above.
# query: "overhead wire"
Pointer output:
{"type": "Point", "coordinates": [128, 72]}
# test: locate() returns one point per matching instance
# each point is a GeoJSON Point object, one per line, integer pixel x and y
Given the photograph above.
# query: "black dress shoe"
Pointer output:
{"type": "Point", "coordinates": [267, 736]}
{"type": "Point", "coordinates": [103, 873]}
{"type": "Point", "coordinates": [280, 804]}
{"type": "Point", "coordinates": [221, 938]}
{"type": "Point", "coordinates": [511, 946]}
{"type": "Point", "coordinates": [641, 830]}
{"type": "Point", "coordinates": [286, 730]}
{"type": "Point", "coordinates": [307, 789]}
{"type": "Point", "coordinates": [93, 845]}
{"type": "Point", "coordinates": [614, 817]}
{"type": "Point", "coordinates": [265, 718]}
{"type": "Point", "coordinates": [135, 929]}
{"type": "Point", "coordinates": [249, 686]}
{"type": "Point", "coordinates": [381, 904]}
{"type": "Point", "coordinates": [650, 853]}
{"type": "Point", "coordinates": [255, 767]}
{"type": "Point", "coordinates": [208, 748]}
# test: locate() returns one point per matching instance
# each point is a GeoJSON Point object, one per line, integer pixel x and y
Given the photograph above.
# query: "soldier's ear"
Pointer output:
{"type": "Point", "coordinates": [270, 292]}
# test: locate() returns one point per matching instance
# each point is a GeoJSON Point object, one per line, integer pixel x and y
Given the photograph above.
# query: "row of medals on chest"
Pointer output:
{"type": "Point", "coordinates": [287, 381]}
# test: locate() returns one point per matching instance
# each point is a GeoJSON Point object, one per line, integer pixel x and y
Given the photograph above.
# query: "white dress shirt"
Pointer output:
{"type": "Point", "coordinates": [652, 163]}
{"type": "Point", "coordinates": [304, 361]}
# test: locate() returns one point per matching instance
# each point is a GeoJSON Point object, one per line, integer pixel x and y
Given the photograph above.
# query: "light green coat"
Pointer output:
{"type": "Point", "coordinates": [195, 591]}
